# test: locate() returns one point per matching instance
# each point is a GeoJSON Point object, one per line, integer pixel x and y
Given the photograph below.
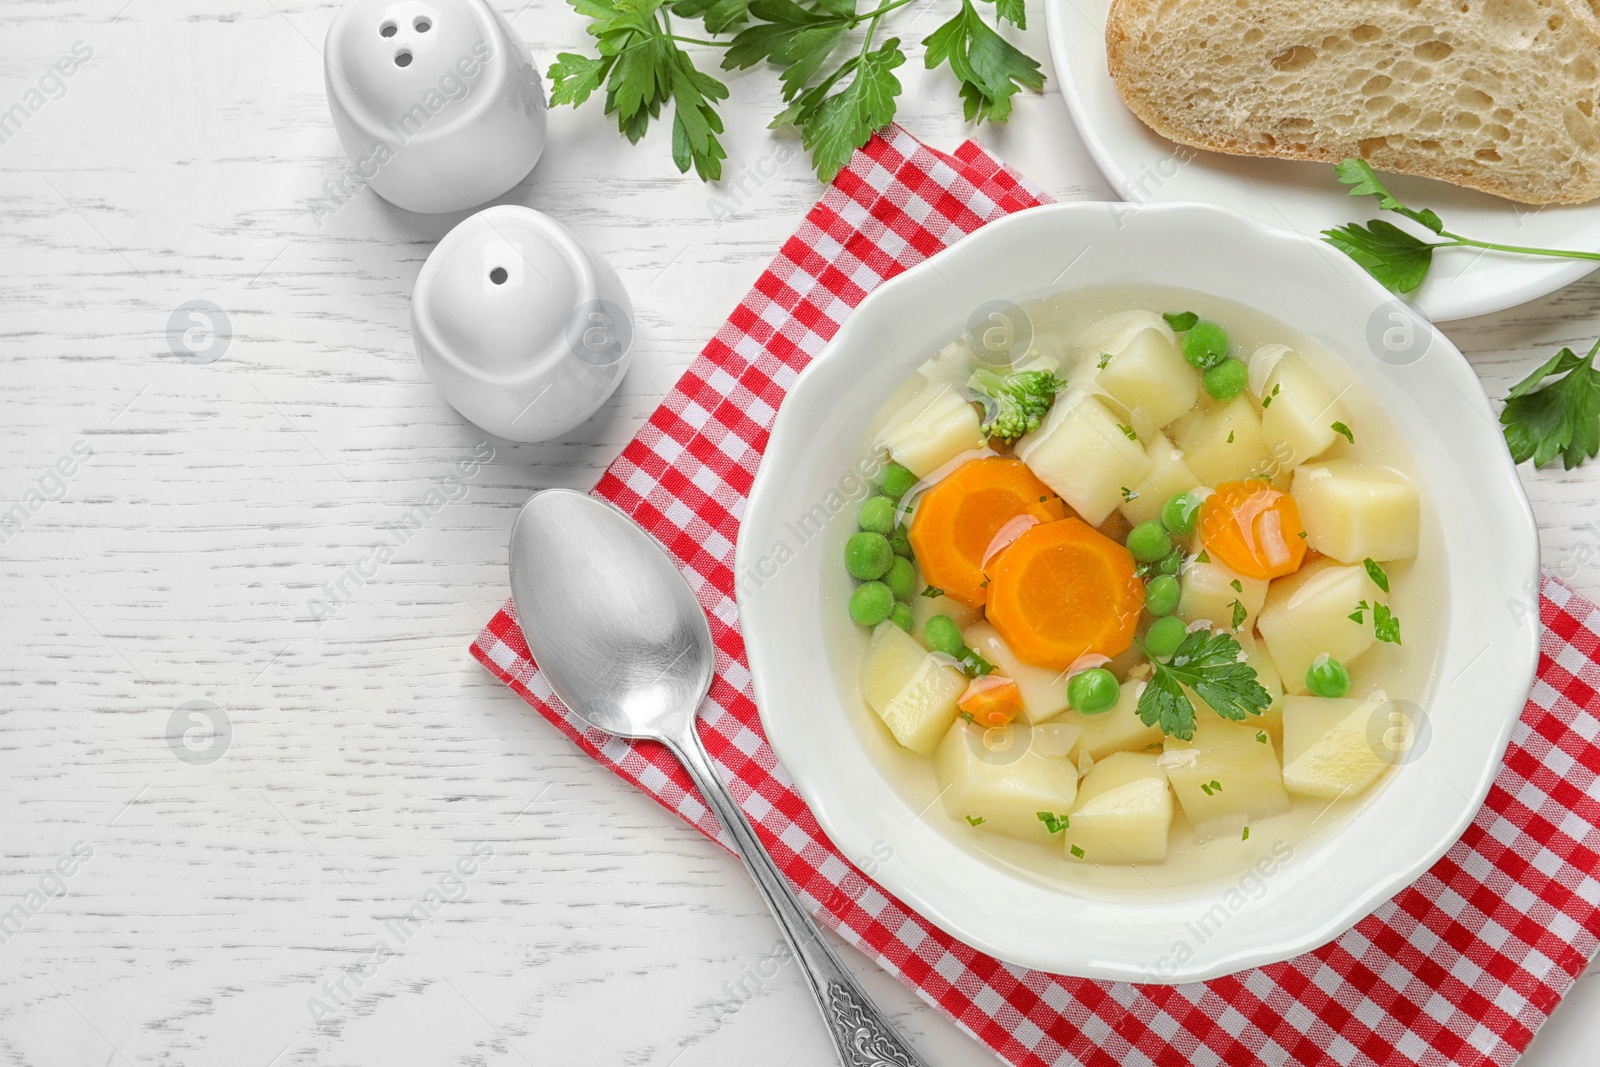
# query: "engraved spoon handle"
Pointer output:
{"type": "Point", "coordinates": [862, 1037]}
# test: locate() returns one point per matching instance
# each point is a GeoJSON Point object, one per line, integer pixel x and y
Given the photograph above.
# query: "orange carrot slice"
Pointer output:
{"type": "Point", "coordinates": [992, 700]}
{"type": "Point", "coordinates": [1063, 591]}
{"type": "Point", "coordinates": [957, 520]}
{"type": "Point", "coordinates": [1254, 529]}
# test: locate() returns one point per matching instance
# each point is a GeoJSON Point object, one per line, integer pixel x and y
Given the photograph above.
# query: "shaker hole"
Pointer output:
{"type": "Point", "coordinates": [402, 58]}
{"type": "Point", "coordinates": [388, 29]}
{"type": "Point", "coordinates": [422, 25]}
{"type": "Point", "coordinates": [498, 276]}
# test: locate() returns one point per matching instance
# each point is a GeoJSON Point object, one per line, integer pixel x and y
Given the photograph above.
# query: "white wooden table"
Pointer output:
{"type": "Point", "coordinates": [197, 509]}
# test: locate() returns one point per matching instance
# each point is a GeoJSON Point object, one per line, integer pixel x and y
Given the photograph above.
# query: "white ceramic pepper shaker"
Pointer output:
{"type": "Point", "coordinates": [523, 328]}
{"type": "Point", "coordinates": [437, 102]}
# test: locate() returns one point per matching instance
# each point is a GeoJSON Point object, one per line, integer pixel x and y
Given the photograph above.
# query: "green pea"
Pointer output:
{"type": "Point", "coordinates": [871, 603]}
{"type": "Point", "coordinates": [1326, 677]}
{"type": "Point", "coordinates": [867, 556]}
{"type": "Point", "coordinates": [877, 515]}
{"type": "Point", "coordinates": [900, 541]}
{"type": "Point", "coordinates": [897, 481]}
{"type": "Point", "coordinates": [901, 578]}
{"type": "Point", "coordinates": [1161, 595]}
{"type": "Point", "coordinates": [1094, 691]}
{"type": "Point", "coordinates": [1227, 379]}
{"type": "Point", "coordinates": [941, 634]}
{"type": "Point", "coordinates": [902, 617]}
{"type": "Point", "coordinates": [1148, 541]}
{"type": "Point", "coordinates": [1172, 562]}
{"type": "Point", "coordinates": [1180, 514]}
{"type": "Point", "coordinates": [1164, 636]}
{"type": "Point", "coordinates": [1205, 345]}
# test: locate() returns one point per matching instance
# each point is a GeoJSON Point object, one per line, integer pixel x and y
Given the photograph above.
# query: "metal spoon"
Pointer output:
{"type": "Point", "coordinates": [624, 643]}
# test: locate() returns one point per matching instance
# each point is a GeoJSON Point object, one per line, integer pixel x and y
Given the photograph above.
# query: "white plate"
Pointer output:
{"type": "Point", "coordinates": [1145, 167]}
{"type": "Point", "coordinates": [1491, 559]}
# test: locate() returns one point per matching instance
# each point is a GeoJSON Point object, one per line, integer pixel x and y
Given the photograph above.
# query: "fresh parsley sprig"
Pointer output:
{"type": "Point", "coordinates": [1398, 258]}
{"type": "Point", "coordinates": [1211, 665]}
{"type": "Point", "coordinates": [642, 68]}
{"type": "Point", "coordinates": [1555, 411]}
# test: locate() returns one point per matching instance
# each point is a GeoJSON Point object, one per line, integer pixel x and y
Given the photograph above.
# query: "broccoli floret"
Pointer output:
{"type": "Point", "coordinates": [1016, 403]}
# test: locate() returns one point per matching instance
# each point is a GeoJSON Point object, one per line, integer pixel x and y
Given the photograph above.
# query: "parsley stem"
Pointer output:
{"type": "Point", "coordinates": [878, 13]}
{"type": "Point", "coordinates": [1565, 253]}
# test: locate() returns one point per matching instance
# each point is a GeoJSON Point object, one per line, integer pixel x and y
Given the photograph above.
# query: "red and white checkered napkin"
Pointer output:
{"type": "Point", "coordinates": [1460, 968]}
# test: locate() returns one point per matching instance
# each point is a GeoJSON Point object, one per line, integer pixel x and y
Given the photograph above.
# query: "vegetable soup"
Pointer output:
{"type": "Point", "coordinates": [1145, 590]}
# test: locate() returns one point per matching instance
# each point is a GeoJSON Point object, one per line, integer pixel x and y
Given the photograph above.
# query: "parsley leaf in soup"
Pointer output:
{"type": "Point", "coordinates": [1209, 664]}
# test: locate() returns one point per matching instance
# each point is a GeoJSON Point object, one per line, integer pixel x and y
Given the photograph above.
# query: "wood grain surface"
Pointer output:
{"type": "Point", "coordinates": [389, 859]}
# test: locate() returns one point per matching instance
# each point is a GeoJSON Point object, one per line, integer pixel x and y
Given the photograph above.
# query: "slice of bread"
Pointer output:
{"type": "Point", "coordinates": [1497, 95]}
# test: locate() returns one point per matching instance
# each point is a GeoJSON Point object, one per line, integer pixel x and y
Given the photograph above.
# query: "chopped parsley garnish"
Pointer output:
{"type": "Point", "coordinates": [1052, 822]}
{"type": "Point", "coordinates": [1261, 737]}
{"type": "Point", "coordinates": [1180, 321]}
{"type": "Point", "coordinates": [1345, 431]}
{"type": "Point", "coordinates": [1129, 495]}
{"type": "Point", "coordinates": [1379, 576]}
{"type": "Point", "coordinates": [978, 821]}
{"type": "Point", "coordinates": [1246, 836]}
{"type": "Point", "coordinates": [974, 664]}
{"type": "Point", "coordinates": [1239, 615]}
{"type": "Point", "coordinates": [967, 715]}
{"type": "Point", "coordinates": [1237, 587]}
{"type": "Point", "coordinates": [1207, 663]}
{"type": "Point", "coordinates": [1266, 401]}
{"type": "Point", "coordinates": [1211, 788]}
{"type": "Point", "coordinates": [1105, 357]}
{"type": "Point", "coordinates": [1127, 431]}
{"type": "Point", "coordinates": [1385, 626]}
{"type": "Point", "coordinates": [1077, 853]}
{"type": "Point", "coordinates": [932, 591]}
{"type": "Point", "coordinates": [1230, 437]}
{"type": "Point", "coordinates": [1203, 557]}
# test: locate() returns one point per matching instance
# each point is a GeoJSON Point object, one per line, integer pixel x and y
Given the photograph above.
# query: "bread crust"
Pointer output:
{"type": "Point", "coordinates": [1121, 62]}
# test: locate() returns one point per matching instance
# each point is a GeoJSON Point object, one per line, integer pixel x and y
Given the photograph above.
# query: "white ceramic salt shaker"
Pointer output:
{"type": "Point", "coordinates": [437, 102]}
{"type": "Point", "coordinates": [523, 328]}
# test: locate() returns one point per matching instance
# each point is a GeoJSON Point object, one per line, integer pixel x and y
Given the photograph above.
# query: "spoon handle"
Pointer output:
{"type": "Point", "coordinates": [862, 1037]}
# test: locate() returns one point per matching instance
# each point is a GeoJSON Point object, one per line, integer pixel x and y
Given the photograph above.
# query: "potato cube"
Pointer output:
{"type": "Point", "coordinates": [1169, 475]}
{"type": "Point", "coordinates": [1149, 376]}
{"type": "Point", "coordinates": [1352, 511]}
{"type": "Point", "coordinates": [1209, 591]}
{"type": "Point", "coordinates": [1308, 613]}
{"type": "Point", "coordinates": [1044, 691]}
{"type": "Point", "coordinates": [1298, 411]}
{"type": "Point", "coordinates": [934, 427]}
{"type": "Point", "coordinates": [1003, 789]}
{"type": "Point", "coordinates": [913, 693]}
{"type": "Point", "coordinates": [1083, 453]}
{"type": "Point", "coordinates": [1333, 747]}
{"type": "Point", "coordinates": [1228, 773]}
{"type": "Point", "coordinates": [1223, 443]}
{"type": "Point", "coordinates": [1117, 730]}
{"type": "Point", "coordinates": [1124, 812]}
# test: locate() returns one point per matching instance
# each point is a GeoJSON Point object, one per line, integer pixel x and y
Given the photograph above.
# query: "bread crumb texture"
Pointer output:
{"type": "Point", "coordinates": [1496, 95]}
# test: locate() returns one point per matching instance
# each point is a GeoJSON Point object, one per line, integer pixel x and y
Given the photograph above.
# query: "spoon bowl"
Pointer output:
{"type": "Point", "coordinates": [621, 637]}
